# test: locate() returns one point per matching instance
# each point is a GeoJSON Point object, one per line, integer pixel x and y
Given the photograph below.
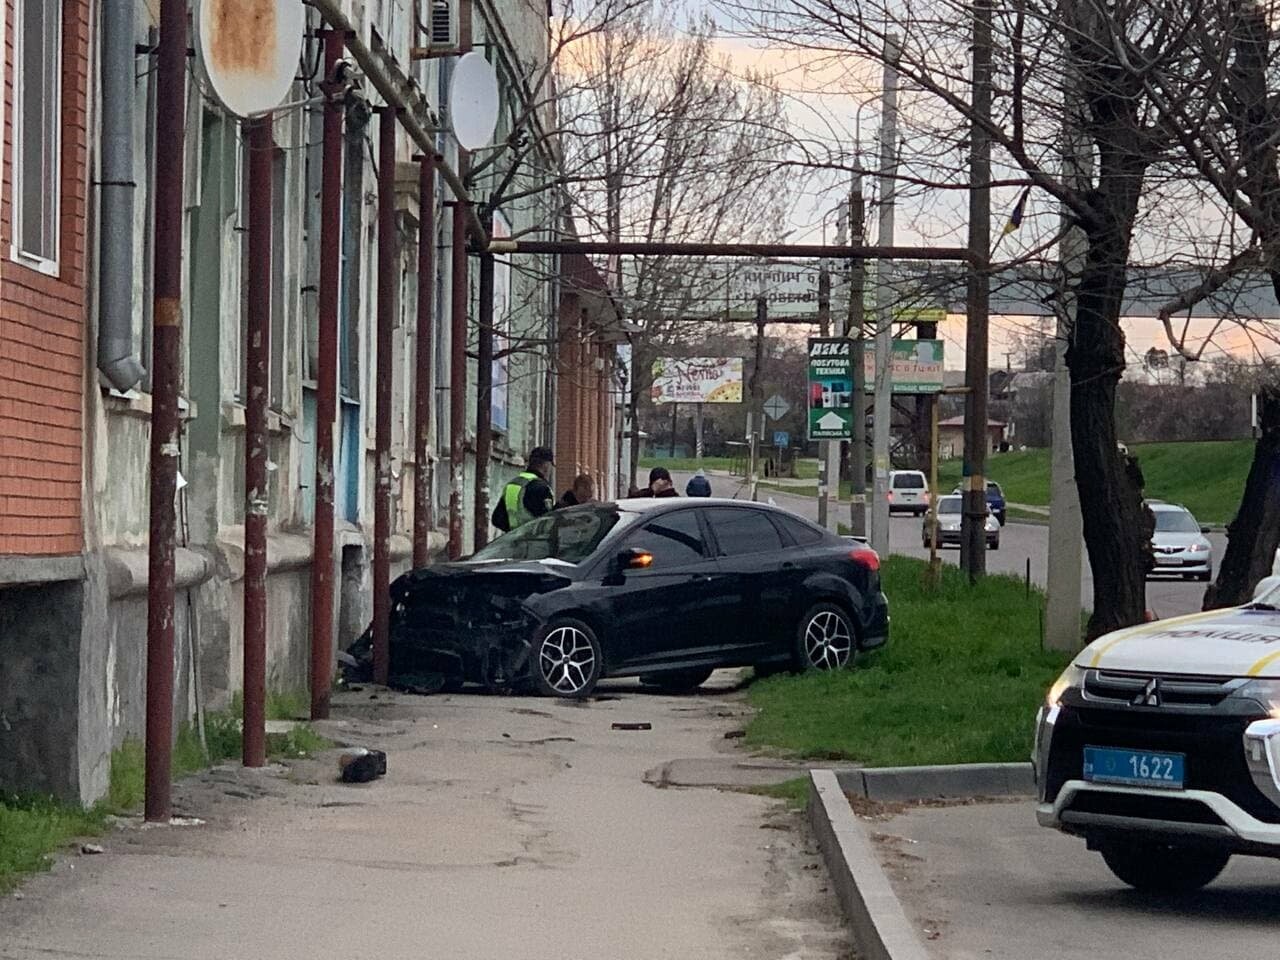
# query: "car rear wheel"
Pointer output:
{"type": "Point", "coordinates": [1164, 867]}
{"type": "Point", "coordinates": [680, 681]}
{"type": "Point", "coordinates": [994, 543]}
{"type": "Point", "coordinates": [567, 659]}
{"type": "Point", "coordinates": [825, 638]}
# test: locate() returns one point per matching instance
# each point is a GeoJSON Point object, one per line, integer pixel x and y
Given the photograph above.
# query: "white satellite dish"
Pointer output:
{"type": "Point", "coordinates": [249, 50]}
{"type": "Point", "coordinates": [473, 101]}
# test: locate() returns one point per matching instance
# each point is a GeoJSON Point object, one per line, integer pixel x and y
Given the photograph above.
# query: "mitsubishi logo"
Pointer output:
{"type": "Point", "coordinates": [1150, 697]}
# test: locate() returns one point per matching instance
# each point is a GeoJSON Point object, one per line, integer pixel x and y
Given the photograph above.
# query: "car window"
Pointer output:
{"type": "Point", "coordinates": [949, 505]}
{"type": "Point", "coordinates": [566, 535]}
{"type": "Point", "coordinates": [908, 481]}
{"type": "Point", "coordinates": [674, 539]}
{"type": "Point", "coordinates": [993, 488]}
{"type": "Point", "coordinates": [1175, 521]}
{"type": "Point", "coordinates": [799, 531]}
{"type": "Point", "coordinates": [743, 531]}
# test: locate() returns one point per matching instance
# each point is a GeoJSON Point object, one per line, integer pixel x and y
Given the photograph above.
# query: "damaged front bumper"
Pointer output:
{"type": "Point", "coordinates": [452, 626]}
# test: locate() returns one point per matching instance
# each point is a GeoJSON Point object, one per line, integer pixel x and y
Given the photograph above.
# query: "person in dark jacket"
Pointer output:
{"type": "Point", "coordinates": [582, 491]}
{"type": "Point", "coordinates": [660, 484]}
{"type": "Point", "coordinates": [699, 486]}
{"type": "Point", "coordinates": [528, 495]}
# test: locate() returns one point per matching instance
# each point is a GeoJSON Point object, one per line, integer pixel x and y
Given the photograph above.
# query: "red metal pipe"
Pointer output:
{"type": "Point", "coordinates": [257, 336]}
{"type": "Point", "coordinates": [387, 285]}
{"type": "Point", "coordinates": [484, 400]}
{"type": "Point", "coordinates": [322, 560]}
{"type": "Point", "coordinates": [423, 507]}
{"type": "Point", "coordinates": [165, 426]}
{"type": "Point", "coordinates": [458, 297]}
{"type": "Point", "coordinates": [776, 250]}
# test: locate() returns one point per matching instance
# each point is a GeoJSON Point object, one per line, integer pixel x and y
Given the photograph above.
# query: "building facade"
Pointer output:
{"type": "Point", "coordinates": [75, 321]}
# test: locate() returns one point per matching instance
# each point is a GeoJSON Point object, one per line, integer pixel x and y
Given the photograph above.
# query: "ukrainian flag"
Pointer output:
{"type": "Point", "coordinates": [1019, 209]}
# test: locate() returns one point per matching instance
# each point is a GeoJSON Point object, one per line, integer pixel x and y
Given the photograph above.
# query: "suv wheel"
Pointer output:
{"type": "Point", "coordinates": [1164, 867]}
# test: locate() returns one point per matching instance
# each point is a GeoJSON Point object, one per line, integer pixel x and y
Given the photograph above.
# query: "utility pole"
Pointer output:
{"type": "Point", "coordinates": [825, 446]}
{"type": "Point", "coordinates": [757, 396]}
{"type": "Point", "coordinates": [854, 327]}
{"type": "Point", "coordinates": [973, 546]}
{"type": "Point", "coordinates": [165, 425]}
{"type": "Point", "coordinates": [1066, 528]}
{"type": "Point", "coordinates": [884, 318]}
{"type": "Point", "coordinates": [697, 434]}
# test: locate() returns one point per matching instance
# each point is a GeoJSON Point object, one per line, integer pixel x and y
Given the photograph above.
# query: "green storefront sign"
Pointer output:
{"type": "Point", "coordinates": [830, 399]}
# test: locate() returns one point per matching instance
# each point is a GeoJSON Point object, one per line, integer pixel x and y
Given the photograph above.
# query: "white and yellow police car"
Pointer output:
{"type": "Point", "coordinates": [1160, 745]}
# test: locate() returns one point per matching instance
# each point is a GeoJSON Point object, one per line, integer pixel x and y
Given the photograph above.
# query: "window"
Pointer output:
{"type": "Point", "coordinates": [803, 534]}
{"type": "Point", "coordinates": [557, 537]}
{"type": "Point", "coordinates": [949, 504]}
{"type": "Point", "coordinates": [993, 489]}
{"type": "Point", "coordinates": [674, 539]}
{"type": "Point", "coordinates": [743, 531]}
{"type": "Point", "coordinates": [1175, 521]}
{"type": "Point", "coordinates": [908, 481]}
{"type": "Point", "coordinates": [37, 168]}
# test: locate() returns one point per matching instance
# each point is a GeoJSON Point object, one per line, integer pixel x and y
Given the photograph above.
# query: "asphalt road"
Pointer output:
{"type": "Point", "coordinates": [1019, 543]}
{"type": "Point", "coordinates": [985, 881]}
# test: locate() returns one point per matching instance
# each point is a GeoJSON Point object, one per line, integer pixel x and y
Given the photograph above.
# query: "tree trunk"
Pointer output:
{"type": "Point", "coordinates": [1254, 534]}
{"type": "Point", "coordinates": [1117, 524]}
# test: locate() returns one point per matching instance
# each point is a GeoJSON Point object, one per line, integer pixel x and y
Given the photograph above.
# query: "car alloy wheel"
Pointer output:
{"type": "Point", "coordinates": [826, 638]}
{"type": "Point", "coordinates": [569, 660]}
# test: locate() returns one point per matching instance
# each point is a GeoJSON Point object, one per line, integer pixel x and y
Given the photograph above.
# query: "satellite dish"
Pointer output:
{"type": "Point", "coordinates": [473, 101]}
{"type": "Point", "coordinates": [249, 50]}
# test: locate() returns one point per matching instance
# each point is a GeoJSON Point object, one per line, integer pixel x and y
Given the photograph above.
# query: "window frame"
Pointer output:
{"type": "Point", "coordinates": [36, 261]}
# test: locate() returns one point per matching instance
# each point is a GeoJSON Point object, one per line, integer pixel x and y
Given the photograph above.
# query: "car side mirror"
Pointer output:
{"type": "Point", "coordinates": [1265, 586]}
{"type": "Point", "coordinates": [634, 558]}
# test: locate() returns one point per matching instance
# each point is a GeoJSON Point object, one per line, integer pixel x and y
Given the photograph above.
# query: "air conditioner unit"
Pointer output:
{"type": "Point", "coordinates": [442, 26]}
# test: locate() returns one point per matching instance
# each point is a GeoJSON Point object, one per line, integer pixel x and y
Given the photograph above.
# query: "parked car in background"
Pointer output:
{"type": "Point", "coordinates": [1179, 543]}
{"type": "Point", "coordinates": [908, 492]}
{"type": "Point", "coordinates": [995, 500]}
{"type": "Point", "coordinates": [664, 589]}
{"type": "Point", "coordinates": [950, 513]}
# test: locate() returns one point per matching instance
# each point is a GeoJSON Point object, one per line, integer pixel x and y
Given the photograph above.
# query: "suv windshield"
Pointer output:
{"type": "Point", "coordinates": [908, 481]}
{"type": "Point", "coordinates": [1175, 521]}
{"type": "Point", "coordinates": [569, 536]}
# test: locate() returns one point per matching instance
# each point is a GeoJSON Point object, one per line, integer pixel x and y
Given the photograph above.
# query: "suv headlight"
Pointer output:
{"type": "Point", "coordinates": [1266, 692]}
{"type": "Point", "coordinates": [1071, 678]}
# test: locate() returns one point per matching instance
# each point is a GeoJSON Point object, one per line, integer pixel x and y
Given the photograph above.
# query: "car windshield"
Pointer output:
{"type": "Point", "coordinates": [909, 481]}
{"type": "Point", "coordinates": [949, 505]}
{"type": "Point", "coordinates": [1175, 521]}
{"type": "Point", "coordinates": [993, 490]}
{"type": "Point", "coordinates": [569, 536]}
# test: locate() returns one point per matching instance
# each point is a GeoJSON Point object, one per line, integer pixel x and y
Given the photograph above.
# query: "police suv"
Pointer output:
{"type": "Point", "coordinates": [1160, 745]}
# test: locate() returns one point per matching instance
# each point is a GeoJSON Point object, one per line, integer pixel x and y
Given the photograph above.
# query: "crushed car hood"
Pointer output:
{"type": "Point", "coordinates": [1239, 642]}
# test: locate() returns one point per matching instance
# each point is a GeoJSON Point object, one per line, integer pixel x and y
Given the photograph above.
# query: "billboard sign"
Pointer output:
{"type": "Point", "coordinates": [830, 388]}
{"type": "Point", "coordinates": [697, 380]}
{"type": "Point", "coordinates": [916, 366]}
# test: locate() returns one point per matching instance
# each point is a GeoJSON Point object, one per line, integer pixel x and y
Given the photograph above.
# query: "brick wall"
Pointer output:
{"type": "Point", "coordinates": [42, 331]}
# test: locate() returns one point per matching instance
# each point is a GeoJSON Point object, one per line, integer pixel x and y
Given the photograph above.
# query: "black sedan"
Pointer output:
{"type": "Point", "coordinates": [667, 590]}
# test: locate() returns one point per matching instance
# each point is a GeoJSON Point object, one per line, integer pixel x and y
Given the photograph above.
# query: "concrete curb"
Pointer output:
{"type": "Point", "coordinates": [945, 782]}
{"type": "Point", "coordinates": [881, 930]}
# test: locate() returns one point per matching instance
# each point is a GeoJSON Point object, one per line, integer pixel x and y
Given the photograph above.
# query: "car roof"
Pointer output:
{"type": "Point", "coordinates": [658, 504]}
{"type": "Point", "coordinates": [1159, 506]}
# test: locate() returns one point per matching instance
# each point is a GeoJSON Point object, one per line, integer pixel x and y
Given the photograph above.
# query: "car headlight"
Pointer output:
{"type": "Point", "coordinates": [1198, 548]}
{"type": "Point", "coordinates": [1071, 678]}
{"type": "Point", "coordinates": [1266, 692]}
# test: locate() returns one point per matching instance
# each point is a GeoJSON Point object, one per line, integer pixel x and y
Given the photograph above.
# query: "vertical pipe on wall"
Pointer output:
{"type": "Point", "coordinates": [387, 283]}
{"type": "Point", "coordinates": [322, 563]}
{"type": "Point", "coordinates": [423, 507]}
{"type": "Point", "coordinates": [459, 298]}
{"type": "Point", "coordinates": [484, 401]}
{"type": "Point", "coordinates": [256, 452]}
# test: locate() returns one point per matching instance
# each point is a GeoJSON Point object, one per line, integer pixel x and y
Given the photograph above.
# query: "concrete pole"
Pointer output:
{"type": "Point", "coordinates": [855, 329]}
{"type": "Point", "coordinates": [884, 318]}
{"type": "Point", "coordinates": [1066, 530]}
{"type": "Point", "coordinates": [757, 396]}
{"type": "Point", "coordinates": [697, 426]}
{"type": "Point", "coordinates": [825, 478]}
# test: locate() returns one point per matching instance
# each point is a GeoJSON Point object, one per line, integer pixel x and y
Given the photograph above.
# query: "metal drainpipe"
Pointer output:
{"type": "Point", "coordinates": [458, 302]}
{"type": "Point", "coordinates": [256, 451]}
{"type": "Point", "coordinates": [116, 357]}
{"type": "Point", "coordinates": [387, 283]}
{"type": "Point", "coordinates": [322, 562]}
{"type": "Point", "coordinates": [423, 508]}
{"type": "Point", "coordinates": [484, 401]}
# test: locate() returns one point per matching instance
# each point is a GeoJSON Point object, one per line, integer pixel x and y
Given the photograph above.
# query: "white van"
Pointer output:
{"type": "Point", "coordinates": [908, 492]}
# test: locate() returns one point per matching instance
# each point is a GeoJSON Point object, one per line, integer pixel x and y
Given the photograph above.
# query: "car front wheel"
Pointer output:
{"type": "Point", "coordinates": [1164, 867]}
{"type": "Point", "coordinates": [567, 659]}
{"type": "Point", "coordinates": [825, 638]}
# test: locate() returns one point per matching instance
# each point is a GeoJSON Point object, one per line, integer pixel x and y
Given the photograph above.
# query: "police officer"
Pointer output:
{"type": "Point", "coordinates": [528, 495]}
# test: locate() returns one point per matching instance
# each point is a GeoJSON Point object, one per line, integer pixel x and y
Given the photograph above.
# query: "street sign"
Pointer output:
{"type": "Point", "coordinates": [781, 439]}
{"type": "Point", "coordinates": [776, 407]}
{"type": "Point", "coordinates": [830, 389]}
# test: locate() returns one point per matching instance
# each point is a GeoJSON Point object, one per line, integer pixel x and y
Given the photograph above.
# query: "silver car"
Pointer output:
{"type": "Point", "coordinates": [1179, 543]}
{"type": "Point", "coordinates": [950, 512]}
